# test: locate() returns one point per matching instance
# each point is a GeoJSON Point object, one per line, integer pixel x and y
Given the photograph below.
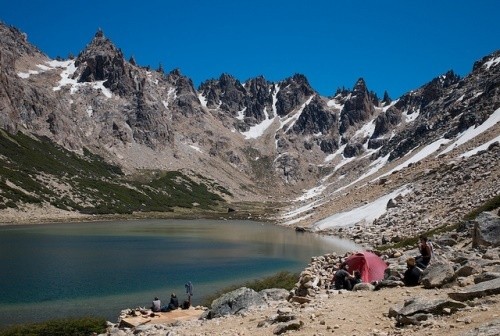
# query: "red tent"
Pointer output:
{"type": "Point", "coordinates": [370, 265]}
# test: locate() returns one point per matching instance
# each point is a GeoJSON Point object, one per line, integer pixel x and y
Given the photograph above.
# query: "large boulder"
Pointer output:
{"type": "Point", "coordinates": [415, 310]}
{"type": "Point", "coordinates": [275, 294]}
{"type": "Point", "coordinates": [236, 302]}
{"type": "Point", "coordinates": [437, 274]}
{"type": "Point", "coordinates": [486, 230]}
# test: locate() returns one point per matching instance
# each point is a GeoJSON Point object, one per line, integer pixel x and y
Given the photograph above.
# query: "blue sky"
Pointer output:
{"type": "Point", "coordinates": [394, 45]}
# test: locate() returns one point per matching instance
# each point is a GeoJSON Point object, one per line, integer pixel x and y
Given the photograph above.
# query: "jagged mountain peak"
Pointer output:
{"type": "Point", "coordinates": [16, 41]}
{"type": "Point", "coordinates": [15, 45]}
{"type": "Point", "coordinates": [360, 86]}
{"type": "Point", "coordinates": [99, 45]}
{"type": "Point", "coordinates": [487, 61]}
{"type": "Point", "coordinates": [297, 80]}
{"type": "Point", "coordinates": [102, 61]}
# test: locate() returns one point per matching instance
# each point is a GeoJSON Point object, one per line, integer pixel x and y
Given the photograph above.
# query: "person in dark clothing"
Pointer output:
{"type": "Point", "coordinates": [156, 306]}
{"type": "Point", "coordinates": [173, 304]}
{"type": "Point", "coordinates": [341, 278]}
{"type": "Point", "coordinates": [356, 279]}
{"type": "Point", "coordinates": [425, 250]}
{"type": "Point", "coordinates": [412, 274]}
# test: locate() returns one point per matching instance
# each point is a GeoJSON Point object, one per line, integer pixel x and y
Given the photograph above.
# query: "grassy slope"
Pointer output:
{"type": "Point", "coordinates": [35, 170]}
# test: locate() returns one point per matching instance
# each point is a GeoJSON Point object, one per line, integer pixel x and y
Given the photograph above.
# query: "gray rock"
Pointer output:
{"type": "Point", "coordinates": [486, 276]}
{"type": "Point", "coordinates": [491, 254]}
{"type": "Point", "coordinates": [363, 287]}
{"type": "Point", "coordinates": [437, 274]}
{"type": "Point", "coordinates": [284, 327]}
{"type": "Point", "coordinates": [486, 288]}
{"type": "Point", "coordinates": [446, 241]}
{"type": "Point", "coordinates": [389, 283]}
{"type": "Point", "coordinates": [116, 332]}
{"type": "Point", "coordinates": [275, 294]}
{"type": "Point", "coordinates": [486, 230]}
{"type": "Point", "coordinates": [470, 268]}
{"type": "Point", "coordinates": [488, 329]}
{"type": "Point", "coordinates": [418, 309]}
{"type": "Point", "coordinates": [300, 299]}
{"type": "Point", "coordinates": [414, 319]}
{"type": "Point", "coordinates": [235, 302]}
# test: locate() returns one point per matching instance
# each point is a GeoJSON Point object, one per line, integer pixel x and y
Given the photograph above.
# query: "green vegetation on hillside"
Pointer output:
{"type": "Point", "coordinates": [71, 326]}
{"type": "Point", "coordinates": [35, 170]}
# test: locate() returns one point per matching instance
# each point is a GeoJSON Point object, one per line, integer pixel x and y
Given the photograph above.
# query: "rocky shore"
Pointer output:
{"type": "Point", "coordinates": [458, 295]}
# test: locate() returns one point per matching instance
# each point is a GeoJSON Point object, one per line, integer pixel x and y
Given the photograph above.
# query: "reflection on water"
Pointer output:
{"type": "Point", "coordinates": [100, 268]}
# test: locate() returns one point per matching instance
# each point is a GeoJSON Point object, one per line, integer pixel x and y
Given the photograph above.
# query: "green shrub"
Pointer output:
{"type": "Point", "coordinates": [83, 326]}
{"type": "Point", "coordinates": [492, 204]}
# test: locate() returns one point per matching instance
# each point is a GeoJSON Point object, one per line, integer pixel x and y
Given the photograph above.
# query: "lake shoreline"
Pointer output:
{"type": "Point", "coordinates": [46, 214]}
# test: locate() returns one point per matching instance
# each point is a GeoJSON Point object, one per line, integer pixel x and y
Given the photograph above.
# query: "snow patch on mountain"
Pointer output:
{"type": "Point", "coordinates": [203, 100]}
{"type": "Point", "coordinates": [493, 62]}
{"type": "Point", "coordinates": [409, 117]}
{"type": "Point", "coordinates": [43, 68]}
{"type": "Point", "coordinates": [241, 114]}
{"type": "Point", "coordinates": [333, 103]}
{"type": "Point", "coordinates": [366, 213]}
{"type": "Point", "coordinates": [66, 79]}
{"type": "Point", "coordinates": [480, 148]}
{"type": "Point", "coordinates": [474, 131]}
{"type": "Point", "coordinates": [256, 131]}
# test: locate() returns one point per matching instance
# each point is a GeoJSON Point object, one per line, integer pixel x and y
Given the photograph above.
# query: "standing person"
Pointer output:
{"type": "Point", "coordinates": [156, 306]}
{"type": "Point", "coordinates": [341, 278]}
{"type": "Point", "coordinates": [189, 291]}
{"type": "Point", "coordinates": [412, 274]}
{"type": "Point", "coordinates": [425, 250]}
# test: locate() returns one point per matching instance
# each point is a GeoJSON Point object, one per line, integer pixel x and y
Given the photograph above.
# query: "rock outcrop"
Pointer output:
{"type": "Point", "coordinates": [486, 230]}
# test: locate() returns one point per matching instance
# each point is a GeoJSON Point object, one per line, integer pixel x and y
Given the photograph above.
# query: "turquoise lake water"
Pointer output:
{"type": "Point", "coordinates": [99, 268]}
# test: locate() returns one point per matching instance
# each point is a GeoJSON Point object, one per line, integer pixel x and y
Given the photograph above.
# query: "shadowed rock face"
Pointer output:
{"type": "Point", "coordinates": [102, 61]}
{"type": "Point", "coordinates": [358, 108]}
{"type": "Point", "coordinates": [486, 230]}
{"type": "Point", "coordinates": [316, 118]}
{"type": "Point", "coordinates": [292, 93]}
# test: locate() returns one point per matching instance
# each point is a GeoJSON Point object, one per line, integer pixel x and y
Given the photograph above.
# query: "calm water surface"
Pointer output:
{"type": "Point", "coordinates": [100, 268]}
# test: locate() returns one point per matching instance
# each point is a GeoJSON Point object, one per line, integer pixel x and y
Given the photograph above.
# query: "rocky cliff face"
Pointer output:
{"type": "Point", "coordinates": [275, 139]}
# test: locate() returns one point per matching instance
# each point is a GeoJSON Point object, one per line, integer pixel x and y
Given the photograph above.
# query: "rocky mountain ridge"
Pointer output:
{"type": "Point", "coordinates": [261, 140]}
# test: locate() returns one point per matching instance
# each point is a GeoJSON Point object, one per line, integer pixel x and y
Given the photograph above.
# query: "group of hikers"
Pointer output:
{"type": "Point", "coordinates": [156, 306]}
{"type": "Point", "coordinates": [415, 266]}
{"type": "Point", "coordinates": [342, 279]}
{"type": "Point", "coordinates": [172, 305]}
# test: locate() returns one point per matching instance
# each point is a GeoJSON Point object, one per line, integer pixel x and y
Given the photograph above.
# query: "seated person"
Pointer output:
{"type": "Point", "coordinates": [156, 306]}
{"type": "Point", "coordinates": [341, 278]}
{"type": "Point", "coordinates": [174, 304]}
{"type": "Point", "coordinates": [356, 279]}
{"type": "Point", "coordinates": [425, 253]}
{"type": "Point", "coordinates": [412, 274]}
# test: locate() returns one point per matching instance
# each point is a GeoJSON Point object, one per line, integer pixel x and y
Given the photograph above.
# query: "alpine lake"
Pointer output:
{"type": "Point", "coordinates": [62, 270]}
